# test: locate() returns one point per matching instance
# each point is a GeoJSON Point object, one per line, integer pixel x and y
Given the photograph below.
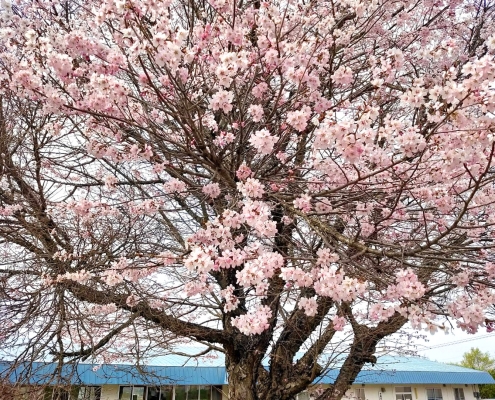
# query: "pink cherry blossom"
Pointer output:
{"type": "Point", "coordinates": [309, 305]}
{"type": "Point", "coordinates": [252, 188]}
{"type": "Point", "coordinates": [256, 112]}
{"type": "Point", "coordinates": [299, 119]}
{"type": "Point", "coordinates": [255, 322]}
{"type": "Point", "coordinates": [338, 323]}
{"type": "Point", "coordinates": [231, 301]}
{"type": "Point", "coordinates": [196, 287]}
{"type": "Point", "coordinates": [263, 142]}
{"type": "Point", "coordinates": [174, 186]}
{"type": "Point", "coordinates": [303, 203]}
{"type": "Point", "coordinates": [9, 210]}
{"type": "Point", "coordinates": [232, 169]}
{"type": "Point", "coordinates": [199, 260]}
{"type": "Point", "coordinates": [260, 89]}
{"type": "Point", "coordinates": [298, 276]}
{"type": "Point", "coordinates": [408, 286]}
{"type": "Point", "coordinates": [222, 101]}
{"type": "Point", "coordinates": [212, 190]}
{"type": "Point", "coordinates": [243, 172]}
{"type": "Point", "coordinates": [343, 75]}
{"type": "Point", "coordinates": [259, 269]}
{"type": "Point", "coordinates": [326, 257]}
{"type": "Point", "coordinates": [110, 182]}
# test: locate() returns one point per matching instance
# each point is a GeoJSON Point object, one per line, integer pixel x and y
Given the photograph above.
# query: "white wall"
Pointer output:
{"type": "Point", "coordinates": [374, 392]}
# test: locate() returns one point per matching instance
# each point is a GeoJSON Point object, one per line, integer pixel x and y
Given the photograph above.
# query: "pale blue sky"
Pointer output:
{"type": "Point", "coordinates": [451, 347]}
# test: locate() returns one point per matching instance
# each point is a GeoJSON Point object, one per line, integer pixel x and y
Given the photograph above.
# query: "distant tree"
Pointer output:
{"type": "Point", "coordinates": [488, 391]}
{"type": "Point", "coordinates": [476, 359]}
{"type": "Point", "coordinates": [482, 361]}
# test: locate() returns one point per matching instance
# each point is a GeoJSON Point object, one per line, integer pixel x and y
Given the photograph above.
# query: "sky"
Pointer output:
{"type": "Point", "coordinates": [450, 348]}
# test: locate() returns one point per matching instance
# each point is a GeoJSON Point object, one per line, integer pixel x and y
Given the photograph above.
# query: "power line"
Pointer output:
{"type": "Point", "coordinates": [458, 342]}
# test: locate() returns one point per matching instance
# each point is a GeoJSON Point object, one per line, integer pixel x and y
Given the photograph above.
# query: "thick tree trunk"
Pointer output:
{"type": "Point", "coordinates": [242, 381]}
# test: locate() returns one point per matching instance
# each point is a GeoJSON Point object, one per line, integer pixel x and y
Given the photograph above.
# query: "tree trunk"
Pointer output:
{"type": "Point", "coordinates": [242, 381]}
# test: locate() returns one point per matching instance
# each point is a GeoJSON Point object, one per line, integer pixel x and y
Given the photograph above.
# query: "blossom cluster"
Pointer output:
{"type": "Point", "coordinates": [277, 148]}
{"type": "Point", "coordinates": [254, 322]}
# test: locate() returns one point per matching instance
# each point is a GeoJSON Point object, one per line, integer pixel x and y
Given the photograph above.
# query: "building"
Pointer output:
{"type": "Point", "coordinates": [392, 378]}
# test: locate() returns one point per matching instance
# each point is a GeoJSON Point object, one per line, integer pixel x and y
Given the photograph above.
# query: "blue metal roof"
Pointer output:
{"type": "Point", "coordinates": [415, 377]}
{"type": "Point", "coordinates": [416, 364]}
{"type": "Point", "coordinates": [117, 374]}
{"type": "Point", "coordinates": [415, 370]}
{"type": "Point", "coordinates": [187, 371]}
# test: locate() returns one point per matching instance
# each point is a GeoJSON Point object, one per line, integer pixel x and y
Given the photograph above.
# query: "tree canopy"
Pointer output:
{"type": "Point", "coordinates": [477, 359]}
{"type": "Point", "coordinates": [273, 180]}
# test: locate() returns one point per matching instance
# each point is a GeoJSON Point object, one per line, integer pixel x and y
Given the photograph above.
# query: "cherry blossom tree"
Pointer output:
{"type": "Point", "coordinates": [253, 176]}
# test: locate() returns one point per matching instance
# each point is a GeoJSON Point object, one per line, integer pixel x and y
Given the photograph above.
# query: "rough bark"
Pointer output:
{"type": "Point", "coordinates": [362, 351]}
{"type": "Point", "coordinates": [242, 363]}
{"type": "Point", "coordinates": [241, 382]}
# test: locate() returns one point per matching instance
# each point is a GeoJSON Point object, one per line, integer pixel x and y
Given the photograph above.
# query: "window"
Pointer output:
{"type": "Point", "coordinates": [185, 392]}
{"type": "Point", "coordinates": [194, 392]}
{"type": "Point", "coordinates": [216, 393]}
{"type": "Point", "coordinates": [131, 393]}
{"type": "Point", "coordinates": [434, 394]}
{"type": "Point", "coordinates": [125, 393]}
{"type": "Point", "coordinates": [89, 393]}
{"type": "Point", "coordinates": [29, 393]}
{"type": "Point", "coordinates": [459, 394]}
{"type": "Point", "coordinates": [204, 392]}
{"type": "Point", "coordinates": [160, 393]}
{"type": "Point", "coordinates": [303, 396]}
{"type": "Point", "coordinates": [359, 394]}
{"type": "Point", "coordinates": [167, 393]}
{"type": "Point", "coordinates": [60, 393]}
{"type": "Point", "coordinates": [153, 393]}
{"type": "Point", "coordinates": [403, 393]}
{"type": "Point", "coordinates": [138, 393]}
{"type": "Point", "coordinates": [182, 393]}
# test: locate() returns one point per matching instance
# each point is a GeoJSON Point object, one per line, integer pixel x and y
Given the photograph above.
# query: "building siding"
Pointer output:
{"type": "Point", "coordinates": [378, 380]}
{"type": "Point", "coordinates": [374, 392]}
{"type": "Point", "coordinates": [371, 392]}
